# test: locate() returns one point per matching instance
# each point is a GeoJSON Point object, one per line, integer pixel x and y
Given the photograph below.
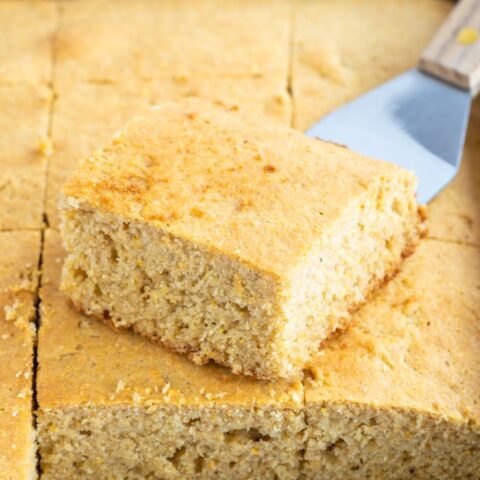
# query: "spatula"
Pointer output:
{"type": "Point", "coordinates": [419, 119]}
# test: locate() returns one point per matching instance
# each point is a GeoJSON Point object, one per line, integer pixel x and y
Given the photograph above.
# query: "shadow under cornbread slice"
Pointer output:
{"type": "Point", "coordinates": [113, 405]}
{"type": "Point", "coordinates": [237, 241]}
{"type": "Point", "coordinates": [397, 395]}
{"type": "Point", "coordinates": [18, 283]}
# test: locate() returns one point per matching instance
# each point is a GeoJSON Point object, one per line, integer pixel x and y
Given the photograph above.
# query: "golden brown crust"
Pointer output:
{"type": "Point", "coordinates": [192, 156]}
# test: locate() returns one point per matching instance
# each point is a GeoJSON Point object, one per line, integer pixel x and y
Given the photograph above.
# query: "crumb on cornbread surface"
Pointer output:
{"type": "Point", "coordinates": [18, 283]}
{"type": "Point", "coordinates": [238, 241]}
{"type": "Point", "coordinates": [397, 395]}
{"type": "Point", "coordinates": [114, 405]}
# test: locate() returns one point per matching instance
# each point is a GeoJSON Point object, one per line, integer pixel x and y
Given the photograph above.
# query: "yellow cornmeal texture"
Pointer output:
{"type": "Point", "coordinates": [18, 283]}
{"type": "Point", "coordinates": [229, 239]}
{"type": "Point", "coordinates": [122, 41]}
{"type": "Point", "coordinates": [87, 115]}
{"type": "Point", "coordinates": [26, 47]}
{"type": "Point", "coordinates": [113, 405]}
{"type": "Point", "coordinates": [398, 394]}
{"type": "Point", "coordinates": [344, 59]}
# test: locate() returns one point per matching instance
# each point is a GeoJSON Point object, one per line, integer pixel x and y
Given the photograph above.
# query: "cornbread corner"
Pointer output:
{"type": "Point", "coordinates": [113, 405]}
{"type": "Point", "coordinates": [18, 283]}
{"type": "Point", "coordinates": [398, 394]}
{"type": "Point", "coordinates": [240, 242]}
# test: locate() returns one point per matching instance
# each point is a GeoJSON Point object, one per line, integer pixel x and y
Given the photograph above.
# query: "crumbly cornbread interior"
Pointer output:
{"type": "Point", "coordinates": [89, 66]}
{"type": "Point", "coordinates": [185, 229]}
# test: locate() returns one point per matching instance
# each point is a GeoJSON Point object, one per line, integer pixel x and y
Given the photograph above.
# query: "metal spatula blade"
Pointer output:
{"type": "Point", "coordinates": [415, 121]}
{"type": "Point", "coordinates": [418, 120]}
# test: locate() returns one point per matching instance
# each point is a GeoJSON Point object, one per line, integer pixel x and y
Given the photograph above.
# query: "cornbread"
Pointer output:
{"type": "Point", "coordinates": [236, 241]}
{"type": "Point", "coordinates": [113, 405]}
{"type": "Point", "coordinates": [23, 129]}
{"type": "Point", "coordinates": [26, 47]}
{"type": "Point", "coordinates": [346, 57]}
{"type": "Point", "coordinates": [18, 283]}
{"type": "Point", "coordinates": [87, 115]}
{"type": "Point", "coordinates": [119, 41]}
{"type": "Point", "coordinates": [398, 394]}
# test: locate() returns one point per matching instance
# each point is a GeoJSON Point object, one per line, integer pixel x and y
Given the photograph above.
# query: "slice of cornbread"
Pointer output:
{"type": "Point", "coordinates": [23, 150]}
{"type": "Point", "coordinates": [116, 406]}
{"type": "Point", "coordinates": [241, 242]}
{"type": "Point", "coordinates": [26, 48]}
{"type": "Point", "coordinates": [398, 394]}
{"type": "Point", "coordinates": [18, 283]}
{"type": "Point", "coordinates": [118, 41]}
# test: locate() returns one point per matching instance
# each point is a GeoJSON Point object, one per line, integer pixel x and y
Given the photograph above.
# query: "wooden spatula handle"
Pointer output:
{"type": "Point", "coordinates": [453, 55]}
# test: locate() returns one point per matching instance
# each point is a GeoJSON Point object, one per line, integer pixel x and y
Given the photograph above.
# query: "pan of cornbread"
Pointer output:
{"type": "Point", "coordinates": [395, 395]}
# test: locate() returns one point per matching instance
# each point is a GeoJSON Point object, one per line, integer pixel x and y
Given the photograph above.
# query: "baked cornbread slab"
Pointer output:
{"type": "Point", "coordinates": [231, 240]}
{"type": "Point", "coordinates": [26, 48]}
{"type": "Point", "coordinates": [18, 283]}
{"type": "Point", "coordinates": [117, 41]}
{"type": "Point", "coordinates": [87, 115]}
{"type": "Point", "coordinates": [23, 151]}
{"type": "Point", "coordinates": [398, 394]}
{"type": "Point", "coordinates": [113, 405]}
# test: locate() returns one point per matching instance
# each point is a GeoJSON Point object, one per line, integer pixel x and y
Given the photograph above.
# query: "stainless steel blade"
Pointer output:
{"type": "Point", "coordinates": [414, 120]}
